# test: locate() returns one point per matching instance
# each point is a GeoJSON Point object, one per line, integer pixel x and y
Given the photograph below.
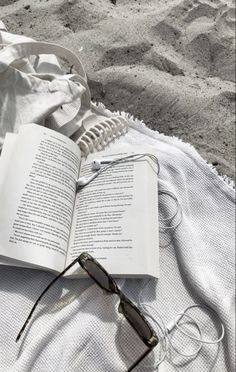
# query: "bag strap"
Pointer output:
{"type": "Point", "coordinates": [2, 26]}
{"type": "Point", "coordinates": [17, 51]}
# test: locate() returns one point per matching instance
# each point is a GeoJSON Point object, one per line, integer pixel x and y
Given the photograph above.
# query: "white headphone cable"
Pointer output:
{"type": "Point", "coordinates": [125, 159]}
{"type": "Point", "coordinates": [165, 340]}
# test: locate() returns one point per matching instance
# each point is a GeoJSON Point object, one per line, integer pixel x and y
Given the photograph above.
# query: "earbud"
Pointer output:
{"type": "Point", "coordinates": [172, 324]}
{"type": "Point", "coordinates": [97, 163]}
{"type": "Point", "coordinates": [96, 166]}
{"type": "Point", "coordinates": [83, 181]}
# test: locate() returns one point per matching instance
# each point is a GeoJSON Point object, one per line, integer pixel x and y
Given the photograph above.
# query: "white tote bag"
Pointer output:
{"type": "Point", "coordinates": [34, 89]}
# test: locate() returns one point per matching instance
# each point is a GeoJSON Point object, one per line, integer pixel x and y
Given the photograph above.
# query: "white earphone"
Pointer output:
{"type": "Point", "coordinates": [97, 163]}
{"type": "Point", "coordinates": [96, 166]}
{"type": "Point", "coordinates": [83, 181]}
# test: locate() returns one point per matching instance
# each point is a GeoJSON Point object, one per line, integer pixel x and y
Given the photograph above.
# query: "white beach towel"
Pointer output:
{"type": "Point", "coordinates": [78, 329]}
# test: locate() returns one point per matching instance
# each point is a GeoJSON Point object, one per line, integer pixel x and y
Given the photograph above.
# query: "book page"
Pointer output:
{"type": "Point", "coordinates": [116, 218]}
{"type": "Point", "coordinates": [37, 192]}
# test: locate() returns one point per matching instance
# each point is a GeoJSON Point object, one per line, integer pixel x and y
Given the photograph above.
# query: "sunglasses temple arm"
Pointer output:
{"type": "Point", "coordinates": [42, 294]}
{"type": "Point", "coordinates": [140, 359]}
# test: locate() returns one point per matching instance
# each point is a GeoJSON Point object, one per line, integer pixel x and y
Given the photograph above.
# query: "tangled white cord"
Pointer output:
{"type": "Point", "coordinates": [178, 212]}
{"type": "Point", "coordinates": [165, 341]}
{"type": "Point", "coordinates": [166, 330]}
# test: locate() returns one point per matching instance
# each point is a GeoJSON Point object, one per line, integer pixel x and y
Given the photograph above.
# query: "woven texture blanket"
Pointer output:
{"type": "Point", "coordinates": [77, 328]}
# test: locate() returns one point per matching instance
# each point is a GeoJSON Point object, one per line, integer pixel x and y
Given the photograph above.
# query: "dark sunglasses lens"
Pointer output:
{"type": "Point", "coordinates": [98, 274]}
{"type": "Point", "coordinates": [136, 320]}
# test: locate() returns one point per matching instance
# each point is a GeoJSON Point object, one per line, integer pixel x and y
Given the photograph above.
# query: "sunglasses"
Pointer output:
{"type": "Point", "coordinates": [131, 312]}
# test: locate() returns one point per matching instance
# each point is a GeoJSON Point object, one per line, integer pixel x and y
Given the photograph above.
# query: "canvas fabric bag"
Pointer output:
{"type": "Point", "coordinates": [34, 88]}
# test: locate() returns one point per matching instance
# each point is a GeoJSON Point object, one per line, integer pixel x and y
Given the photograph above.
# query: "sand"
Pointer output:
{"type": "Point", "coordinates": [168, 62]}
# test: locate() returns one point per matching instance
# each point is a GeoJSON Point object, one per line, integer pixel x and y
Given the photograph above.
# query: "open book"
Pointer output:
{"type": "Point", "coordinates": [45, 223]}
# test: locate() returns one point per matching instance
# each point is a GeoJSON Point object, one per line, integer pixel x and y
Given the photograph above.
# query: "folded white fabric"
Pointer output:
{"type": "Point", "coordinates": [34, 88]}
{"type": "Point", "coordinates": [78, 329]}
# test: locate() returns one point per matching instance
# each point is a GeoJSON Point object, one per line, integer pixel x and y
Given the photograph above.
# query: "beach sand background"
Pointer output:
{"type": "Point", "coordinates": [167, 62]}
